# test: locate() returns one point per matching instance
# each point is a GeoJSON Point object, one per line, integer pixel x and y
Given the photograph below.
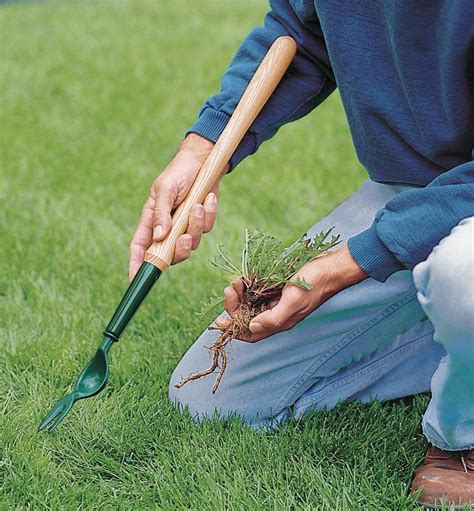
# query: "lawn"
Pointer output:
{"type": "Point", "coordinates": [95, 98]}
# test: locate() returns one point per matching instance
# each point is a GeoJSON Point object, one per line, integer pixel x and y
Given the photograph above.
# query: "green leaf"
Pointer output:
{"type": "Point", "coordinates": [300, 283]}
{"type": "Point", "coordinates": [266, 266]}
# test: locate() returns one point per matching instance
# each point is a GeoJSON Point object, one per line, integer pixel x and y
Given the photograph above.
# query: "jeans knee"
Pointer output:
{"type": "Point", "coordinates": [190, 398]}
{"type": "Point", "coordinates": [445, 281]}
{"type": "Point", "coordinates": [197, 399]}
{"type": "Point", "coordinates": [236, 396]}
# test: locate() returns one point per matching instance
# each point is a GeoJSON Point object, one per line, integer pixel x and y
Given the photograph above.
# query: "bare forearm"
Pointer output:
{"type": "Point", "coordinates": [343, 271]}
{"type": "Point", "coordinates": [198, 146]}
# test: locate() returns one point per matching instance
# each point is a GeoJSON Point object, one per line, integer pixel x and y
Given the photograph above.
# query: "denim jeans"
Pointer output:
{"type": "Point", "coordinates": [372, 340]}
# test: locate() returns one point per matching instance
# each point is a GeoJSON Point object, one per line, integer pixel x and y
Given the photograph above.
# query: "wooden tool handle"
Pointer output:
{"type": "Point", "coordinates": [260, 88]}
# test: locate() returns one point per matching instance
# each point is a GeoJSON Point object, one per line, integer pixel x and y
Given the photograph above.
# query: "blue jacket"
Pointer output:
{"type": "Point", "coordinates": [405, 73]}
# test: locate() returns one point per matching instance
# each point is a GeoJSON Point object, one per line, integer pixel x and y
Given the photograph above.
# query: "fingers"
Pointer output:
{"type": "Point", "coordinates": [284, 315]}
{"type": "Point", "coordinates": [231, 300]}
{"type": "Point", "coordinates": [167, 192]}
{"type": "Point", "coordinates": [239, 288]}
{"type": "Point", "coordinates": [201, 220]}
{"type": "Point", "coordinates": [268, 323]}
{"type": "Point", "coordinates": [183, 248]}
{"type": "Point", "coordinates": [196, 225]}
{"type": "Point", "coordinates": [159, 208]}
{"type": "Point", "coordinates": [190, 241]}
{"type": "Point", "coordinates": [210, 211]}
{"type": "Point", "coordinates": [136, 259]}
{"type": "Point", "coordinates": [141, 239]}
{"type": "Point", "coordinates": [164, 193]}
{"type": "Point", "coordinates": [222, 321]}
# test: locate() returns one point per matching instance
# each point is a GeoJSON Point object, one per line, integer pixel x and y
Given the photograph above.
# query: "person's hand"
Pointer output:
{"type": "Point", "coordinates": [327, 274]}
{"type": "Point", "coordinates": [167, 192]}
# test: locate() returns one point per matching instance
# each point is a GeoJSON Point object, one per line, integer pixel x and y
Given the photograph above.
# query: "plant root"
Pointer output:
{"type": "Point", "coordinates": [238, 326]}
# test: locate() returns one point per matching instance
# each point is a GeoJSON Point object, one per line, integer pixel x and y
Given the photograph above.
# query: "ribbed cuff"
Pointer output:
{"type": "Point", "coordinates": [211, 124]}
{"type": "Point", "coordinates": [372, 255]}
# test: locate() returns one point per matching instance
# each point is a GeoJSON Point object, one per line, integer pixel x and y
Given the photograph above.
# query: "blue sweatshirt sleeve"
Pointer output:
{"type": "Point", "coordinates": [411, 224]}
{"type": "Point", "coordinates": [306, 84]}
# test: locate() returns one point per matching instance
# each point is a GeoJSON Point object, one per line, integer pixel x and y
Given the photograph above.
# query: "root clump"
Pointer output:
{"type": "Point", "coordinates": [238, 327]}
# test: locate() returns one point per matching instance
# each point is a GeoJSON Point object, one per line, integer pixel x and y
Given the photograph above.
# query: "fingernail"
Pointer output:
{"type": "Point", "coordinates": [157, 232]}
{"type": "Point", "coordinates": [187, 241]}
{"type": "Point", "coordinates": [199, 210]}
{"type": "Point", "coordinates": [255, 327]}
{"type": "Point", "coordinates": [212, 198]}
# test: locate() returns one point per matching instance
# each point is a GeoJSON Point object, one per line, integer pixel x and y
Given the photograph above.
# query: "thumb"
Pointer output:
{"type": "Point", "coordinates": [272, 320]}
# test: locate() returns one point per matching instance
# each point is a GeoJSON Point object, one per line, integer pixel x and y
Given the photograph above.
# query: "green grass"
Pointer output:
{"type": "Point", "coordinates": [95, 99]}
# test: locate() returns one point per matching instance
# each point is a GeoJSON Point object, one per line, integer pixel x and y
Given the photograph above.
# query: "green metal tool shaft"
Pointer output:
{"type": "Point", "coordinates": [138, 289]}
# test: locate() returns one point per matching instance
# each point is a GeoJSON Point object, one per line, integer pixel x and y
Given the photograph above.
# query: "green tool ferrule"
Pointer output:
{"type": "Point", "coordinates": [111, 336]}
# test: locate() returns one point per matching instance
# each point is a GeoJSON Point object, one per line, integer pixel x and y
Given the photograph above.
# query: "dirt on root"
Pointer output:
{"type": "Point", "coordinates": [253, 303]}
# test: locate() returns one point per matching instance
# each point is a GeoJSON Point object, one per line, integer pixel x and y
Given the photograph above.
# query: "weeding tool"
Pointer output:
{"type": "Point", "coordinates": [159, 255]}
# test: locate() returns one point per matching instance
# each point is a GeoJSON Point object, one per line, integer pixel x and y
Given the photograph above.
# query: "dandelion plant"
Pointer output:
{"type": "Point", "coordinates": [264, 269]}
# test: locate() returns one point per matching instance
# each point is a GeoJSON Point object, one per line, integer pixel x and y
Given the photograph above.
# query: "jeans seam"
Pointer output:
{"type": "Point", "coordinates": [351, 336]}
{"type": "Point", "coordinates": [362, 372]}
